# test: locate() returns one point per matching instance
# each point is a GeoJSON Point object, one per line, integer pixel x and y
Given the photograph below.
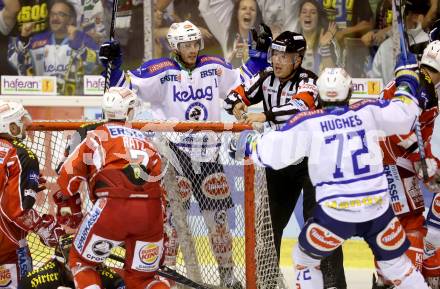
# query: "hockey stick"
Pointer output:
{"type": "Point", "coordinates": [167, 273]}
{"type": "Point", "coordinates": [397, 6]}
{"type": "Point", "coordinates": [111, 37]}
{"type": "Point", "coordinates": [179, 278]}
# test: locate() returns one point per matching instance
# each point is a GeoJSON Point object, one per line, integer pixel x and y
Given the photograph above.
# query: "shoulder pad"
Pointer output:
{"type": "Point", "coordinates": [211, 59]}
{"type": "Point", "coordinates": [302, 116]}
{"type": "Point", "coordinates": [85, 128]}
{"type": "Point", "coordinates": [155, 66]}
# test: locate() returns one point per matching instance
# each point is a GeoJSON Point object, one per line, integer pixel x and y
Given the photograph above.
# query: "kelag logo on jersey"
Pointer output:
{"type": "Point", "coordinates": [196, 111]}
{"type": "Point", "coordinates": [185, 96]}
{"type": "Point", "coordinates": [55, 68]}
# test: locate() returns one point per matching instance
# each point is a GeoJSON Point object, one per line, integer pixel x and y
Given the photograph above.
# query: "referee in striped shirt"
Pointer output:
{"type": "Point", "coordinates": [285, 89]}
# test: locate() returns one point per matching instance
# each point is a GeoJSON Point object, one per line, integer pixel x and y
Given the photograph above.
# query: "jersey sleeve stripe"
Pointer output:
{"type": "Point", "coordinates": [353, 195]}
{"type": "Point", "coordinates": [351, 180]}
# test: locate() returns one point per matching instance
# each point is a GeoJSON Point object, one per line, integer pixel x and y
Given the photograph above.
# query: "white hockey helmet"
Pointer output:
{"type": "Point", "coordinates": [334, 85]}
{"type": "Point", "coordinates": [120, 103]}
{"type": "Point", "coordinates": [183, 32]}
{"type": "Point", "coordinates": [13, 112]}
{"type": "Point", "coordinates": [431, 55]}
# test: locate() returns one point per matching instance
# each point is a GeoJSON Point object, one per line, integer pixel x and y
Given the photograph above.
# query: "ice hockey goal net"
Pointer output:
{"type": "Point", "coordinates": [254, 256]}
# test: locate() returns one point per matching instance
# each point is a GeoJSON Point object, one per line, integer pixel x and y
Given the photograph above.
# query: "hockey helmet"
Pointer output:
{"type": "Point", "coordinates": [290, 42]}
{"type": "Point", "coordinates": [431, 55]}
{"type": "Point", "coordinates": [334, 85]}
{"type": "Point", "coordinates": [13, 112]}
{"type": "Point", "coordinates": [120, 103]}
{"type": "Point", "coordinates": [183, 32]}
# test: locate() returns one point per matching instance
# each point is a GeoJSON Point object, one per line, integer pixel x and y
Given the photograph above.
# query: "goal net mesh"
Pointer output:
{"type": "Point", "coordinates": [199, 177]}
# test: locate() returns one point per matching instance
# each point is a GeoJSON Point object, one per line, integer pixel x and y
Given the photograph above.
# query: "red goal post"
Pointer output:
{"type": "Point", "coordinates": [255, 259]}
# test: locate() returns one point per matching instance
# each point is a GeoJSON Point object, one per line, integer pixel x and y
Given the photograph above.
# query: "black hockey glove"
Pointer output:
{"type": "Point", "coordinates": [231, 101]}
{"type": "Point", "coordinates": [260, 40]}
{"type": "Point", "coordinates": [110, 51]}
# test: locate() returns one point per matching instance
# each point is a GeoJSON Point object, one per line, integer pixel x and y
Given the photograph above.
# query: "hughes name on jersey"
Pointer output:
{"type": "Point", "coordinates": [345, 159]}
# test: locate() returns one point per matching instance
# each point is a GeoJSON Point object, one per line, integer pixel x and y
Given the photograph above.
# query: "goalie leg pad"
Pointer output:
{"type": "Point", "coordinates": [402, 273]}
{"type": "Point", "coordinates": [308, 273]}
{"type": "Point", "coordinates": [211, 188]}
{"type": "Point", "coordinates": [171, 244]}
{"type": "Point", "coordinates": [220, 236]}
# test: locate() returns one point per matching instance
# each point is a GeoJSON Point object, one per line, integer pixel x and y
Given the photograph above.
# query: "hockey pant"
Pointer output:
{"type": "Point", "coordinates": [134, 222]}
{"type": "Point", "coordinates": [413, 224]}
{"type": "Point", "coordinates": [322, 234]}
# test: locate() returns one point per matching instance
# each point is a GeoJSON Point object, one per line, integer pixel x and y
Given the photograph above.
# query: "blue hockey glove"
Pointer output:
{"type": "Point", "coordinates": [242, 147]}
{"type": "Point", "coordinates": [259, 42]}
{"type": "Point", "coordinates": [407, 79]}
{"type": "Point", "coordinates": [434, 33]}
{"type": "Point", "coordinates": [110, 51]}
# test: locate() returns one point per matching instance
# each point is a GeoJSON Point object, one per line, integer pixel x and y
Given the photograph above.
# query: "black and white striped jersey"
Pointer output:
{"type": "Point", "coordinates": [280, 100]}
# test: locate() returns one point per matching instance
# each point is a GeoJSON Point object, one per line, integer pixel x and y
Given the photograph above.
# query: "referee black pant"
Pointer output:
{"type": "Point", "coordinates": [284, 188]}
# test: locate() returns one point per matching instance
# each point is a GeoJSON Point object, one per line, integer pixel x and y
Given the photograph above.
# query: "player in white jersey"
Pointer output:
{"type": "Point", "coordinates": [185, 86]}
{"type": "Point", "coordinates": [345, 166]}
{"type": "Point", "coordinates": [189, 86]}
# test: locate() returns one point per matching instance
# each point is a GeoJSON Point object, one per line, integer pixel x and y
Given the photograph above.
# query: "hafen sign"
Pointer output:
{"type": "Point", "coordinates": [28, 85]}
{"type": "Point", "coordinates": [367, 87]}
{"type": "Point", "coordinates": [93, 85]}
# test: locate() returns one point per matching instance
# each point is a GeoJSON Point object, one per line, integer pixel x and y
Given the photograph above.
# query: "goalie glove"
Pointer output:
{"type": "Point", "coordinates": [243, 146]}
{"type": "Point", "coordinates": [49, 231]}
{"type": "Point", "coordinates": [44, 226]}
{"type": "Point", "coordinates": [68, 209]}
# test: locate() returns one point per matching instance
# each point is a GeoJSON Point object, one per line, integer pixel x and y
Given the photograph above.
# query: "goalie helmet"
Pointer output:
{"type": "Point", "coordinates": [183, 32]}
{"type": "Point", "coordinates": [13, 112]}
{"type": "Point", "coordinates": [431, 55]}
{"type": "Point", "coordinates": [120, 103]}
{"type": "Point", "coordinates": [334, 85]}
